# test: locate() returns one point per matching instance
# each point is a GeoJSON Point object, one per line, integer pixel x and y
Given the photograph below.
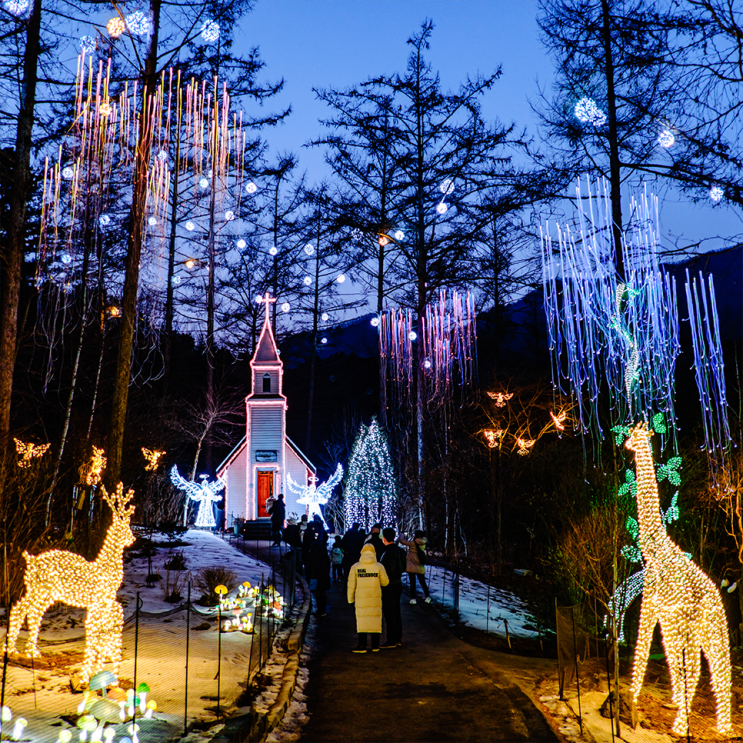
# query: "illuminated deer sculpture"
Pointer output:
{"type": "Point", "coordinates": [63, 576]}
{"type": "Point", "coordinates": [685, 601]}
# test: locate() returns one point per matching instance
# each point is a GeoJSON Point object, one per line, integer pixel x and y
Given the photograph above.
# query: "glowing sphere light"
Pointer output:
{"type": "Point", "coordinates": [210, 31]}
{"type": "Point", "coordinates": [666, 139]}
{"type": "Point", "coordinates": [241, 244]}
{"type": "Point", "coordinates": [587, 112]}
{"type": "Point", "coordinates": [104, 220]}
{"type": "Point", "coordinates": [152, 221]}
{"type": "Point", "coordinates": [87, 44]}
{"type": "Point", "coordinates": [204, 183]}
{"type": "Point", "coordinates": [307, 280]}
{"type": "Point", "coordinates": [138, 23]}
{"type": "Point", "coordinates": [115, 27]}
{"type": "Point", "coordinates": [251, 187]}
{"type": "Point", "coordinates": [399, 235]}
{"type": "Point", "coordinates": [325, 316]}
{"type": "Point", "coordinates": [341, 278]}
{"type": "Point", "coordinates": [447, 186]}
{"type": "Point", "coordinates": [68, 173]}
{"type": "Point", "coordinates": [229, 215]}
{"type": "Point", "coordinates": [190, 226]}
{"type": "Point", "coordinates": [16, 7]}
{"type": "Point", "coordinates": [285, 307]}
{"type": "Point", "coordinates": [272, 250]}
{"type": "Point", "coordinates": [309, 249]}
{"type": "Point", "coordinates": [716, 193]}
{"type": "Point", "coordinates": [441, 208]}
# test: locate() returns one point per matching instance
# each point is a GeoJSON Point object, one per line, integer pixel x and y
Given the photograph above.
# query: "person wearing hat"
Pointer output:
{"type": "Point", "coordinates": [375, 540]}
{"type": "Point", "coordinates": [365, 581]}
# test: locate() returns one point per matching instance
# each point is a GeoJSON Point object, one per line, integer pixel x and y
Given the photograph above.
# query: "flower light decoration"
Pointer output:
{"type": "Point", "coordinates": [205, 494]}
{"type": "Point", "coordinates": [57, 575]}
{"type": "Point", "coordinates": [683, 599]}
{"type": "Point", "coordinates": [501, 398]}
{"type": "Point", "coordinates": [29, 452]}
{"type": "Point", "coordinates": [370, 489]}
{"type": "Point", "coordinates": [312, 496]}
{"type": "Point", "coordinates": [153, 457]}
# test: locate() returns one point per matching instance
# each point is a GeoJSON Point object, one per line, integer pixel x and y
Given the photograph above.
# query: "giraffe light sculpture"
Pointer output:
{"type": "Point", "coordinates": [683, 599]}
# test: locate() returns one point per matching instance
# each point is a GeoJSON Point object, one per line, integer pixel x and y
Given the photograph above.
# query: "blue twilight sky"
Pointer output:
{"type": "Point", "coordinates": [340, 43]}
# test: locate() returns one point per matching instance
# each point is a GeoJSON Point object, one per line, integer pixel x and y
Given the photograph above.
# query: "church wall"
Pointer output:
{"type": "Point", "coordinates": [235, 497]}
{"type": "Point", "coordinates": [295, 467]}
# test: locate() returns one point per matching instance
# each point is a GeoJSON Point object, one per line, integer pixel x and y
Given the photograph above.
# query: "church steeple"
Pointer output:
{"type": "Point", "coordinates": [266, 364]}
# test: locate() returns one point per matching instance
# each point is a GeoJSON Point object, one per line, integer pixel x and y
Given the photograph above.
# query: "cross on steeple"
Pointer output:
{"type": "Point", "coordinates": [267, 299]}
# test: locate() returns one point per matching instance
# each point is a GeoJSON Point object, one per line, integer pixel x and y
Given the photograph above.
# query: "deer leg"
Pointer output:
{"type": "Point", "coordinates": [35, 614]}
{"type": "Point", "coordinates": [17, 617]}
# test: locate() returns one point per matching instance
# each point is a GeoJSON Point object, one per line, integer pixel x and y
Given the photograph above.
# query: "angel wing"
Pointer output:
{"type": "Point", "coordinates": [215, 487]}
{"type": "Point", "coordinates": [295, 487]}
{"type": "Point", "coordinates": [192, 488]}
{"type": "Point", "coordinates": [326, 488]}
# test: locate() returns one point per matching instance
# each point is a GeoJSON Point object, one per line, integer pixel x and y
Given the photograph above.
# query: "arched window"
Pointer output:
{"type": "Point", "coordinates": [266, 382]}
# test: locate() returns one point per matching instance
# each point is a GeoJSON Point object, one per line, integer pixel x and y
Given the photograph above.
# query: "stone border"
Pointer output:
{"type": "Point", "coordinates": [247, 726]}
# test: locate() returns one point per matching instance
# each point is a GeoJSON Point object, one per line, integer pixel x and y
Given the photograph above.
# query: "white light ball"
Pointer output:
{"type": "Point", "coordinates": [272, 250]}
{"type": "Point", "coordinates": [309, 249]}
{"type": "Point", "coordinates": [285, 307]}
{"type": "Point", "coordinates": [325, 316]}
{"type": "Point", "coordinates": [229, 215]}
{"type": "Point", "coordinates": [399, 235]}
{"type": "Point", "coordinates": [251, 187]}
{"type": "Point", "coordinates": [104, 220]}
{"type": "Point", "coordinates": [138, 23]}
{"type": "Point", "coordinates": [190, 226]}
{"type": "Point", "coordinates": [204, 183]}
{"type": "Point", "coordinates": [162, 155]}
{"type": "Point", "coordinates": [716, 193]}
{"type": "Point", "coordinates": [324, 340]}
{"type": "Point", "coordinates": [427, 363]}
{"type": "Point", "coordinates": [241, 244]}
{"type": "Point", "coordinates": [152, 221]}
{"type": "Point", "coordinates": [16, 7]}
{"type": "Point", "coordinates": [307, 280]}
{"type": "Point", "coordinates": [666, 139]}
{"type": "Point", "coordinates": [210, 31]}
{"type": "Point", "coordinates": [66, 258]}
{"type": "Point", "coordinates": [375, 321]}
{"type": "Point", "coordinates": [441, 208]}
{"type": "Point", "coordinates": [176, 280]}
{"type": "Point", "coordinates": [341, 279]}
{"type": "Point", "coordinates": [586, 111]}
{"type": "Point", "coordinates": [259, 298]}
{"type": "Point", "coordinates": [68, 173]}
{"type": "Point", "coordinates": [412, 335]}
{"type": "Point", "coordinates": [447, 186]}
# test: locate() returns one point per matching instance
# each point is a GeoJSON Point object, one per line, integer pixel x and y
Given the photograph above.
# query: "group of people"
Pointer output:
{"type": "Point", "coordinates": [372, 565]}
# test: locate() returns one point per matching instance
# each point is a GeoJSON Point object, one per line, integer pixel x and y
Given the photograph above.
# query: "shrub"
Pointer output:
{"type": "Point", "coordinates": [177, 561]}
{"type": "Point", "coordinates": [208, 579]}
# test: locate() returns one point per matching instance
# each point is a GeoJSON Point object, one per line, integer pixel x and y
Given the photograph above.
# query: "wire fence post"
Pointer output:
{"type": "Point", "coordinates": [456, 594]}
{"type": "Point", "coordinates": [136, 656]}
{"type": "Point", "coordinates": [219, 652]}
{"type": "Point", "coordinates": [608, 686]}
{"type": "Point", "coordinates": [577, 679]}
{"type": "Point", "coordinates": [487, 613]}
{"type": "Point", "coordinates": [188, 637]}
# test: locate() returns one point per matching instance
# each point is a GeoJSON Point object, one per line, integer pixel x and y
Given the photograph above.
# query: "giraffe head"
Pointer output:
{"type": "Point", "coordinates": [638, 438]}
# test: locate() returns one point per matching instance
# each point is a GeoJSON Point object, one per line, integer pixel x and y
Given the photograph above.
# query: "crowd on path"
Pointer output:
{"type": "Point", "coordinates": [371, 566]}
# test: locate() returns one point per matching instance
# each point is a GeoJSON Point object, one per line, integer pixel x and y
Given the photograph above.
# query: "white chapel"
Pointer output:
{"type": "Point", "coordinates": [256, 468]}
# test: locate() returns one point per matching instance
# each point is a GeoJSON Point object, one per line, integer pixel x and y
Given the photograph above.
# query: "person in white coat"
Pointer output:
{"type": "Point", "coordinates": [365, 581]}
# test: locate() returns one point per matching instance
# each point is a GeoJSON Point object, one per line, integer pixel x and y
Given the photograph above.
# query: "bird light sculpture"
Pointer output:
{"type": "Point", "coordinates": [28, 452]}
{"type": "Point", "coordinates": [58, 575]}
{"type": "Point", "coordinates": [152, 457]}
{"type": "Point", "coordinates": [205, 494]}
{"type": "Point", "coordinates": [312, 496]}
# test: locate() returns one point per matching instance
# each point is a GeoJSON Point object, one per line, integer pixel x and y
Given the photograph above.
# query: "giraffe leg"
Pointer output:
{"type": "Point", "coordinates": [642, 652]}
{"type": "Point", "coordinates": [688, 670]}
{"type": "Point", "coordinates": [717, 653]}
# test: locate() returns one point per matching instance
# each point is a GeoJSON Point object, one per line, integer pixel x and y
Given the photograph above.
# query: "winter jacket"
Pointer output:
{"type": "Point", "coordinates": [277, 511]}
{"type": "Point", "coordinates": [395, 562]}
{"type": "Point", "coordinates": [317, 565]}
{"type": "Point", "coordinates": [414, 564]}
{"type": "Point", "coordinates": [336, 556]}
{"type": "Point", "coordinates": [365, 581]}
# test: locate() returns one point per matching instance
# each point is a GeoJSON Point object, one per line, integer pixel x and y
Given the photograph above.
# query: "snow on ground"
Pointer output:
{"type": "Point", "coordinates": [476, 598]}
{"type": "Point", "coordinates": [40, 692]}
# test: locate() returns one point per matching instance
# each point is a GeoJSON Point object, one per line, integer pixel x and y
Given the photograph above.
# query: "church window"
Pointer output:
{"type": "Point", "coordinates": [266, 382]}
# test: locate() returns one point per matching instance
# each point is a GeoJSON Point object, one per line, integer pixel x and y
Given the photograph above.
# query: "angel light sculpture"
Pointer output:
{"type": "Point", "coordinates": [204, 493]}
{"type": "Point", "coordinates": [313, 496]}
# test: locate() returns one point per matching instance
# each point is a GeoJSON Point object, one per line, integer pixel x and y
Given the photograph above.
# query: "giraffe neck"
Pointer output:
{"type": "Point", "coordinates": [648, 503]}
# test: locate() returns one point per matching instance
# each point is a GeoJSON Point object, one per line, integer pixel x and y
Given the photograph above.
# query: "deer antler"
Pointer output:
{"type": "Point", "coordinates": [119, 501]}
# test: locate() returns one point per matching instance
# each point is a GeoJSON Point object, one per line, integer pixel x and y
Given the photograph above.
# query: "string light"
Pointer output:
{"type": "Point", "coordinates": [586, 111]}
{"type": "Point", "coordinates": [152, 457]}
{"type": "Point", "coordinates": [312, 496]}
{"type": "Point", "coordinates": [370, 488]}
{"type": "Point", "coordinates": [28, 452]}
{"type": "Point", "coordinates": [115, 27]}
{"type": "Point", "coordinates": [683, 599]}
{"type": "Point", "coordinates": [250, 187]}
{"type": "Point", "coordinates": [210, 31]}
{"type": "Point", "coordinates": [447, 186]}
{"type": "Point", "coordinates": [57, 575]}
{"type": "Point", "coordinates": [204, 494]}
{"type": "Point", "coordinates": [16, 7]}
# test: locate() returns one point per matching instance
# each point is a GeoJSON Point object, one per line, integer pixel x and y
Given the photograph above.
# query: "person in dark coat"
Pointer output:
{"type": "Point", "coordinates": [351, 544]}
{"type": "Point", "coordinates": [277, 512]}
{"type": "Point", "coordinates": [317, 568]}
{"type": "Point", "coordinates": [394, 560]}
{"type": "Point", "coordinates": [376, 541]}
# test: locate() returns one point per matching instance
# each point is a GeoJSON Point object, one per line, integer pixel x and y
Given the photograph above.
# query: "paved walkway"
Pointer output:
{"type": "Point", "coordinates": [434, 688]}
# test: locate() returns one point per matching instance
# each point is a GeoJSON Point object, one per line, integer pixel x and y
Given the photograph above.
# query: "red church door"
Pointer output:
{"type": "Point", "coordinates": [265, 491]}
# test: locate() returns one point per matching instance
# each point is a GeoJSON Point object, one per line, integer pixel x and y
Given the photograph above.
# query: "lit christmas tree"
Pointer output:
{"type": "Point", "coordinates": [370, 487]}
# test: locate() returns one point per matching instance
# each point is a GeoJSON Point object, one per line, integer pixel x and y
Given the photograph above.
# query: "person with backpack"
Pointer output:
{"type": "Point", "coordinates": [336, 559]}
{"type": "Point", "coordinates": [394, 561]}
{"type": "Point", "coordinates": [416, 564]}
